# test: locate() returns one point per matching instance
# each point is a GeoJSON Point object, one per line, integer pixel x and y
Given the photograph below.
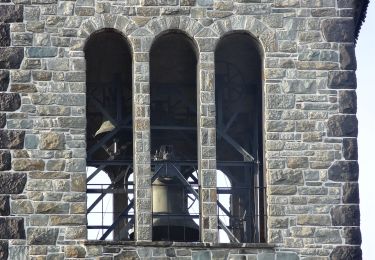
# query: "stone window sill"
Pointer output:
{"type": "Point", "coordinates": [180, 244]}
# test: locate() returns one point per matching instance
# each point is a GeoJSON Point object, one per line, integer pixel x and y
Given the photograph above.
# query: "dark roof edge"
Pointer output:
{"type": "Point", "coordinates": [360, 15]}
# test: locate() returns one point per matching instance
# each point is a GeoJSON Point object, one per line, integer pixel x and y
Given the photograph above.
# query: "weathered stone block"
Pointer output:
{"type": "Point", "coordinates": [41, 52]}
{"type": "Point", "coordinates": [52, 141]}
{"type": "Point", "coordinates": [352, 236]}
{"type": "Point", "coordinates": [343, 171]}
{"type": "Point", "coordinates": [314, 220]}
{"type": "Point", "coordinates": [350, 193]}
{"type": "Point", "coordinates": [22, 207]}
{"type": "Point", "coordinates": [12, 228]}
{"type": "Point", "coordinates": [75, 252]}
{"type": "Point", "coordinates": [42, 236]}
{"type": "Point", "coordinates": [10, 57]}
{"type": "Point", "coordinates": [286, 177]}
{"type": "Point", "coordinates": [52, 208]}
{"type": "Point", "coordinates": [76, 232]}
{"type": "Point", "coordinates": [342, 80]}
{"type": "Point", "coordinates": [350, 148]}
{"type": "Point", "coordinates": [297, 162]}
{"type": "Point", "coordinates": [338, 30]}
{"type": "Point", "coordinates": [3, 250]}
{"type": "Point", "coordinates": [328, 236]}
{"type": "Point", "coordinates": [12, 183]}
{"type": "Point", "coordinates": [5, 160]}
{"type": "Point", "coordinates": [347, 57]}
{"type": "Point", "coordinates": [3, 120]}
{"type": "Point", "coordinates": [9, 101]}
{"type": "Point", "coordinates": [4, 206]}
{"type": "Point", "coordinates": [23, 88]}
{"type": "Point", "coordinates": [346, 253]}
{"type": "Point", "coordinates": [4, 35]}
{"type": "Point", "coordinates": [286, 256]}
{"type": "Point", "coordinates": [11, 13]}
{"type": "Point", "coordinates": [28, 165]}
{"type": "Point", "coordinates": [347, 102]}
{"type": "Point", "coordinates": [342, 126]}
{"type": "Point", "coordinates": [345, 215]}
{"type": "Point", "coordinates": [4, 80]}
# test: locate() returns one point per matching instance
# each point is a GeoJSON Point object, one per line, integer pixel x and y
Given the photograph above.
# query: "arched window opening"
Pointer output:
{"type": "Point", "coordinates": [109, 135]}
{"type": "Point", "coordinates": [238, 86]}
{"type": "Point", "coordinates": [173, 88]}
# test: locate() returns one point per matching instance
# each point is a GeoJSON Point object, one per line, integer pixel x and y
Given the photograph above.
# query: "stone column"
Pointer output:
{"type": "Point", "coordinates": [207, 144]}
{"type": "Point", "coordinates": [141, 137]}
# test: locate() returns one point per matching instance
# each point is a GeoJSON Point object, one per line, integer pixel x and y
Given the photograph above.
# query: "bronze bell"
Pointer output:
{"type": "Point", "coordinates": [105, 127]}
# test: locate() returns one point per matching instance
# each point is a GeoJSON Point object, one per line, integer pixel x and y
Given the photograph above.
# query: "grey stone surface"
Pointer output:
{"type": "Point", "coordinates": [350, 193]}
{"type": "Point", "coordinates": [345, 215]}
{"type": "Point", "coordinates": [4, 205]}
{"type": "Point", "coordinates": [12, 228]}
{"type": "Point", "coordinates": [4, 248]}
{"type": "Point", "coordinates": [342, 126]}
{"type": "Point", "coordinates": [346, 253]}
{"type": "Point", "coordinates": [10, 57]}
{"type": "Point", "coordinates": [42, 236]}
{"type": "Point", "coordinates": [348, 102]}
{"type": "Point", "coordinates": [343, 171]}
{"type": "Point", "coordinates": [5, 160]}
{"type": "Point", "coordinates": [11, 13]}
{"type": "Point", "coordinates": [12, 183]}
{"type": "Point", "coordinates": [338, 30]}
{"type": "Point", "coordinates": [4, 35]}
{"type": "Point", "coordinates": [9, 101]}
{"type": "Point", "coordinates": [4, 80]}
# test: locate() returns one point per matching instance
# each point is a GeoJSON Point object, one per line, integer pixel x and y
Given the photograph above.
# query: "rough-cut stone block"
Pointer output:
{"type": "Point", "coordinates": [4, 206]}
{"type": "Point", "coordinates": [338, 30]}
{"type": "Point", "coordinates": [11, 13]}
{"type": "Point", "coordinates": [9, 101]}
{"type": "Point", "coordinates": [76, 252]}
{"type": "Point", "coordinates": [350, 193]}
{"type": "Point", "coordinates": [286, 177]}
{"type": "Point", "coordinates": [11, 139]}
{"type": "Point", "coordinates": [12, 228]}
{"type": "Point", "coordinates": [352, 236]}
{"type": "Point", "coordinates": [4, 80]}
{"type": "Point", "coordinates": [346, 253]}
{"type": "Point", "coordinates": [10, 57]}
{"type": "Point", "coordinates": [23, 88]}
{"type": "Point", "coordinates": [342, 126]}
{"type": "Point", "coordinates": [3, 120]}
{"type": "Point", "coordinates": [342, 80]}
{"type": "Point", "coordinates": [347, 57]}
{"type": "Point", "coordinates": [5, 160]}
{"type": "Point", "coordinates": [350, 148]}
{"type": "Point", "coordinates": [4, 35]}
{"type": "Point", "coordinates": [42, 236]}
{"type": "Point", "coordinates": [12, 183]}
{"type": "Point", "coordinates": [52, 141]}
{"type": "Point", "coordinates": [343, 171]}
{"type": "Point", "coordinates": [286, 256]}
{"type": "Point", "coordinates": [52, 208]}
{"type": "Point", "coordinates": [347, 102]}
{"type": "Point", "coordinates": [328, 236]}
{"type": "Point", "coordinates": [314, 220]}
{"type": "Point", "coordinates": [41, 52]}
{"type": "Point", "coordinates": [28, 164]}
{"type": "Point", "coordinates": [345, 215]}
{"type": "Point", "coordinates": [3, 250]}
{"type": "Point", "coordinates": [22, 207]}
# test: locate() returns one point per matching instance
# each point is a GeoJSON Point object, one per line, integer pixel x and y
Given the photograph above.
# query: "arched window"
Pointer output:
{"type": "Point", "coordinates": [238, 88]}
{"type": "Point", "coordinates": [173, 89]}
{"type": "Point", "coordinates": [109, 135]}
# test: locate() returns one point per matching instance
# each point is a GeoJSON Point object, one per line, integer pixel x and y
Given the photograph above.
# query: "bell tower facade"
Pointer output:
{"type": "Point", "coordinates": [179, 129]}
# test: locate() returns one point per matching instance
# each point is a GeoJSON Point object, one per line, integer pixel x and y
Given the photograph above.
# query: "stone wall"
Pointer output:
{"type": "Point", "coordinates": [310, 123]}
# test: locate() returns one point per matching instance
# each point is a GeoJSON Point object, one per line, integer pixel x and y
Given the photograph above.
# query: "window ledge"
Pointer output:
{"type": "Point", "coordinates": [179, 244]}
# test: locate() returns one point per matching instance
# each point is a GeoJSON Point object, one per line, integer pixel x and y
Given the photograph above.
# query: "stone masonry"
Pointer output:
{"type": "Point", "coordinates": [310, 124]}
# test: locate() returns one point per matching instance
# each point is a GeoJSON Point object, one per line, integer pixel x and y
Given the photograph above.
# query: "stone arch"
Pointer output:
{"type": "Point", "coordinates": [122, 24]}
{"type": "Point", "coordinates": [255, 27]}
{"type": "Point", "coordinates": [158, 26]}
